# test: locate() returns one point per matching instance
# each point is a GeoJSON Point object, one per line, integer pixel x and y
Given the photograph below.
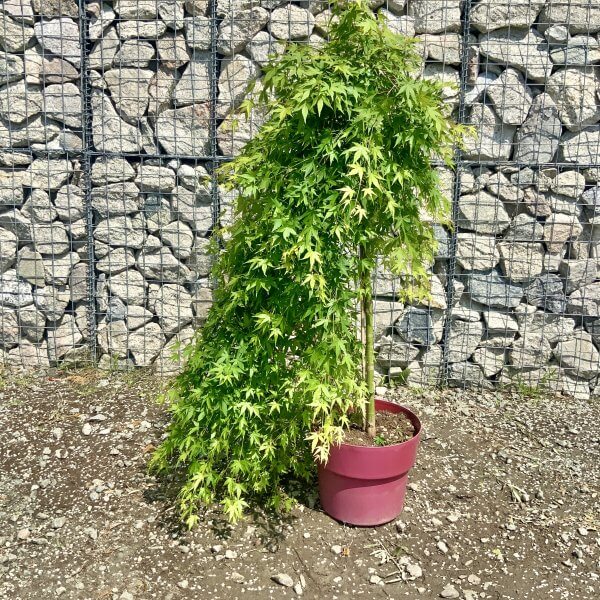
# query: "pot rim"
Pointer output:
{"type": "Point", "coordinates": [407, 411]}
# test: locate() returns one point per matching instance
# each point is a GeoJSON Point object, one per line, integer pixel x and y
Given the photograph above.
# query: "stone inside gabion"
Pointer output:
{"type": "Point", "coordinates": [118, 201]}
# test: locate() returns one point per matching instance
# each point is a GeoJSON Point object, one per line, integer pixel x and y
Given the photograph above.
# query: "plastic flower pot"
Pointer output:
{"type": "Point", "coordinates": [365, 485]}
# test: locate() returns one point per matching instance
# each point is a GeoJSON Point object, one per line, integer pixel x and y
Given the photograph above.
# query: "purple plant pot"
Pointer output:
{"type": "Point", "coordinates": [365, 485]}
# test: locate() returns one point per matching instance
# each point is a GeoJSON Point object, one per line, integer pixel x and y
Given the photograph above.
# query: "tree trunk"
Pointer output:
{"type": "Point", "coordinates": [369, 355]}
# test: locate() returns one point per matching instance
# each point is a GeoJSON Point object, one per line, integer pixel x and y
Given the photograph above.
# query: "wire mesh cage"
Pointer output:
{"type": "Point", "coordinates": [115, 115]}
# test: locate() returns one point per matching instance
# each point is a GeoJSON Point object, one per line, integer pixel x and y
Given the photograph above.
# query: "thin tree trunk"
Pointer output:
{"type": "Point", "coordinates": [369, 354]}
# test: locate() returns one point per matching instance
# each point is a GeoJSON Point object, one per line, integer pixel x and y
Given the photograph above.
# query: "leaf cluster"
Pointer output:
{"type": "Point", "coordinates": [344, 160]}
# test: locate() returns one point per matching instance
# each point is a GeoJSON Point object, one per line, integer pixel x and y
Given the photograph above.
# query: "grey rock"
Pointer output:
{"type": "Point", "coordinates": [172, 13]}
{"type": "Point", "coordinates": [136, 9]}
{"type": "Point", "coordinates": [590, 200]}
{"type": "Point", "coordinates": [20, 102]}
{"type": "Point", "coordinates": [569, 183]}
{"type": "Point", "coordinates": [161, 265]}
{"type": "Point", "coordinates": [401, 25]}
{"type": "Point", "coordinates": [129, 30]}
{"type": "Point", "coordinates": [201, 259]}
{"type": "Point", "coordinates": [19, 10]}
{"type": "Point", "coordinates": [426, 371]}
{"type": "Point", "coordinates": [15, 222]}
{"type": "Point", "coordinates": [494, 139]}
{"type": "Point", "coordinates": [560, 228]}
{"type": "Point", "coordinates": [61, 37]}
{"type": "Point", "coordinates": [127, 231]}
{"type": "Point", "coordinates": [129, 286]}
{"type": "Point", "coordinates": [523, 49]}
{"type": "Point", "coordinates": [197, 32]}
{"type": "Point", "coordinates": [194, 85]}
{"type": "Point", "coordinates": [395, 352]}
{"type": "Point", "coordinates": [521, 261]}
{"type": "Point", "coordinates": [62, 338]}
{"type": "Point", "coordinates": [8, 249]}
{"type": "Point", "coordinates": [585, 301]}
{"type": "Point", "coordinates": [137, 54]}
{"type": "Point", "coordinates": [445, 48]}
{"type": "Point", "coordinates": [155, 179]}
{"type": "Point", "coordinates": [157, 211]}
{"type": "Point", "coordinates": [463, 339]}
{"type": "Point", "coordinates": [105, 50]}
{"type": "Point", "coordinates": [578, 355]}
{"type": "Point", "coordinates": [58, 268]}
{"type": "Point", "coordinates": [196, 7]}
{"type": "Point", "coordinates": [29, 356]}
{"type": "Point", "coordinates": [129, 90]}
{"type": "Point", "coordinates": [47, 173]}
{"type": "Point", "coordinates": [577, 273]}
{"type": "Point", "coordinates": [111, 169]}
{"type": "Point", "coordinates": [9, 328]}
{"type": "Point", "coordinates": [492, 290]}
{"type": "Point", "coordinates": [196, 179]}
{"type": "Point", "coordinates": [56, 8]}
{"type": "Point", "coordinates": [435, 16]}
{"type": "Point", "coordinates": [188, 208]}
{"type": "Point", "coordinates": [416, 326]}
{"type": "Point", "coordinates": [201, 303]}
{"type": "Point", "coordinates": [538, 323]}
{"type": "Point", "coordinates": [236, 131]}
{"type": "Point", "coordinates": [30, 266]}
{"type": "Point", "coordinates": [113, 338]}
{"type": "Point", "coordinates": [172, 51]}
{"type": "Point", "coordinates": [14, 291]}
{"type": "Point", "coordinates": [179, 237]}
{"type": "Point", "coordinates": [531, 351]}
{"type": "Point", "coordinates": [109, 132]}
{"type": "Point", "coordinates": [291, 23]}
{"type": "Point", "coordinates": [63, 103]}
{"type": "Point", "coordinates": [100, 21]}
{"type": "Point", "coordinates": [117, 310]}
{"type": "Point", "coordinates": [237, 29]}
{"type": "Point", "coordinates": [79, 282]}
{"type": "Point", "coordinates": [145, 343]}
{"type": "Point", "coordinates": [115, 261]}
{"type": "Point", "coordinates": [468, 375]}
{"type": "Point", "coordinates": [11, 190]}
{"type": "Point", "coordinates": [488, 15]}
{"type": "Point", "coordinates": [32, 323]}
{"type": "Point", "coordinates": [14, 36]}
{"type": "Point", "coordinates": [116, 199]}
{"type": "Point", "coordinates": [263, 47]}
{"type": "Point", "coordinates": [69, 203]}
{"type": "Point", "coordinates": [500, 325]}
{"type": "Point", "coordinates": [538, 139]}
{"type": "Point", "coordinates": [511, 97]}
{"type": "Point", "coordinates": [236, 74]}
{"type": "Point", "coordinates": [51, 301]}
{"type": "Point", "coordinates": [593, 328]}
{"type": "Point", "coordinates": [574, 92]}
{"type": "Point", "coordinates": [283, 579]}
{"type": "Point", "coordinates": [582, 147]}
{"type": "Point", "coordinates": [50, 239]}
{"type": "Point", "coordinates": [579, 51]}
{"type": "Point", "coordinates": [476, 252]}
{"type": "Point", "coordinates": [184, 130]}
{"type": "Point", "coordinates": [582, 16]}
{"type": "Point", "coordinates": [489, 360]}
{"type": "Point", "coordinates": [26, 134]}
{"type": "Point", "coordinates": [524, 228]}
{"type": "Point", "coordinates": [172, 304]}
{"type": "Point", "coordinates": [137, 316]}
{"type": "Point", "coordinates": [547, 292]}
{"type": "Point", "coordinates": [160, 90]}
{"type": "Point", "coordinates": [482, 213]}
{"type": "Point", "coordinates": [557, 35]}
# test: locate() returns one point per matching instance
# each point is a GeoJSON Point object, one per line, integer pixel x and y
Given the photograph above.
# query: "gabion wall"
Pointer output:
{"type": "Point", "coordinates": [113, 116]}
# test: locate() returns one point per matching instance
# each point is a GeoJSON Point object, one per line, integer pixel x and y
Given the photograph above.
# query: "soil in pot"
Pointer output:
{"type": "Point", "coordinates": [392, 428]}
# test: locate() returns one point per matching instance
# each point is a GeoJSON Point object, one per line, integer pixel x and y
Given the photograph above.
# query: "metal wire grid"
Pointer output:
{"type": "Point", "coordinates": [143, 108]}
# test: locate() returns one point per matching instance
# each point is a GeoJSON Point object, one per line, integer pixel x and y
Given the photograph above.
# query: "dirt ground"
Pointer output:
{"type": "Point", "coordinates": [503, 503]}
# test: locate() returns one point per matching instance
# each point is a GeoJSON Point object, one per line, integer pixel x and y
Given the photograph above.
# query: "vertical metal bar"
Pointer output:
{"type": "Point", "coordinates": [86, 134]}
{"type": "Point", "coordinates": [464, 72]}
{"type": "Point", "coordinates": [212, 126]}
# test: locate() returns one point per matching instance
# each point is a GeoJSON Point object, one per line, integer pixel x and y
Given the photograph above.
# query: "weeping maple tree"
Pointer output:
{"type": "Point", "coordinates": [337, 178]}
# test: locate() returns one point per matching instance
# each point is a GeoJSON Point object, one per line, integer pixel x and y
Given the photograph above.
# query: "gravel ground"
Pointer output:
{"type": "Point", "coordinates": [503, 503]}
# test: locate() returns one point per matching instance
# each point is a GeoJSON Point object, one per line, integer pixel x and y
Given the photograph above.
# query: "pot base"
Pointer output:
{"type": "Point", "coordinates": [366, 485]}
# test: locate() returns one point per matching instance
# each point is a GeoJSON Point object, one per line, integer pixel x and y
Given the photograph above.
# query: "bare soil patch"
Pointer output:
{"type": "Point", "coordinates": [503, 504]}
{"type": "Point", "coordinates": [391, 429]}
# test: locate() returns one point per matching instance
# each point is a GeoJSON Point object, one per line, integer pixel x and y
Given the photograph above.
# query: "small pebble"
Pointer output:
{"type": "Point", "coordinates": [442, 547]}
{"type": "Point", "coordinates": [298, 589]}
{"type": "Point", "coordinates": [86, 429]}
{"type": "Point", "coordinates": [58, 522]}
{"type": "Point", "coordinates": [23, 534]}
{"type": "Point", "coordinates": [336, 549]}
{"type": "Point", "coordinates": [183, 584]}
{"type": "Point", "coordinates": [237, 577]}
{"type": "Point", "coordinates": [60, 591]}
{"type": "Point", "coordinates": [449, 592]}
{"type": "Point", "coordinates": [376, 580]}
{"type": "Point", "coordinates": [230, 554]}
{"type": "Point", "coordinates": [126, 596]}
{"type": "Point", "coordinates": [582, 531]}
{"type": "Point", "coordinates": [283, 579]}
{"type": "Point", "coordinates": [474, 579]}
{"type": "Point", "coordinates": [216, 548]}
{"type": "Point", "coordinates": [414, 571]}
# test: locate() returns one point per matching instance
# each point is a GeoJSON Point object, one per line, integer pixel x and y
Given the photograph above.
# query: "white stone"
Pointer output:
{"type": "Point", "coordinates": [578, 355]}
{"type": "Point", "coordinates": [145, 343]}
{"type": "Point", "coordinates": [172, 304]}
{"type": "Point", "coordinates": [435, 16]}
{"type": "Point", "coordinates": [135, 53]}
{"type": "Point", "coordinates": [127, 231]}
{"type": "Point", "coordinates": [560, 228]}
{"type": "Point", "coordinates": [488, 15]}
{"type": "Point", "coordinates": [482, 213]}
{"type": "Point", "coordinates": [580, 16]}
{"type": "Point", "coordinates": [511, 97]}
{"type": "Point", "coordinates": [521, 261]}
{"type": "Point", "coordinates": [62, 338]}
{"type": "Point", "coordinates": [69, 203]}
{"type": "Point", "coordinates": [291, 23]}
{"type": "Point", "coordinates": [238, 28]}
{"type": "Point", "coordinates": [110, 133]}
{"type": "Point", "coordinates": [463, 339]}
{"type": "Point", "coordinates": [476, 252]}
{"type": "Point", "coordinates": [116, 199]}
{"type": "Point", "coordinates": [61, 37]}
{"type": "Point", "coordinates": [538, 138]}
{"type": "Point", "coordinates": [129, 286]}
{"type": "Point", "coordinates": [184, 131]}
{"type": "Point", "coordinates": [20, 102]}
{"type": "Point", "coordinates": [129, 90]}
{"type": "Point", "coordinates": [63, 103]}
{"type": "Point", "coordinates": [494, 140]}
